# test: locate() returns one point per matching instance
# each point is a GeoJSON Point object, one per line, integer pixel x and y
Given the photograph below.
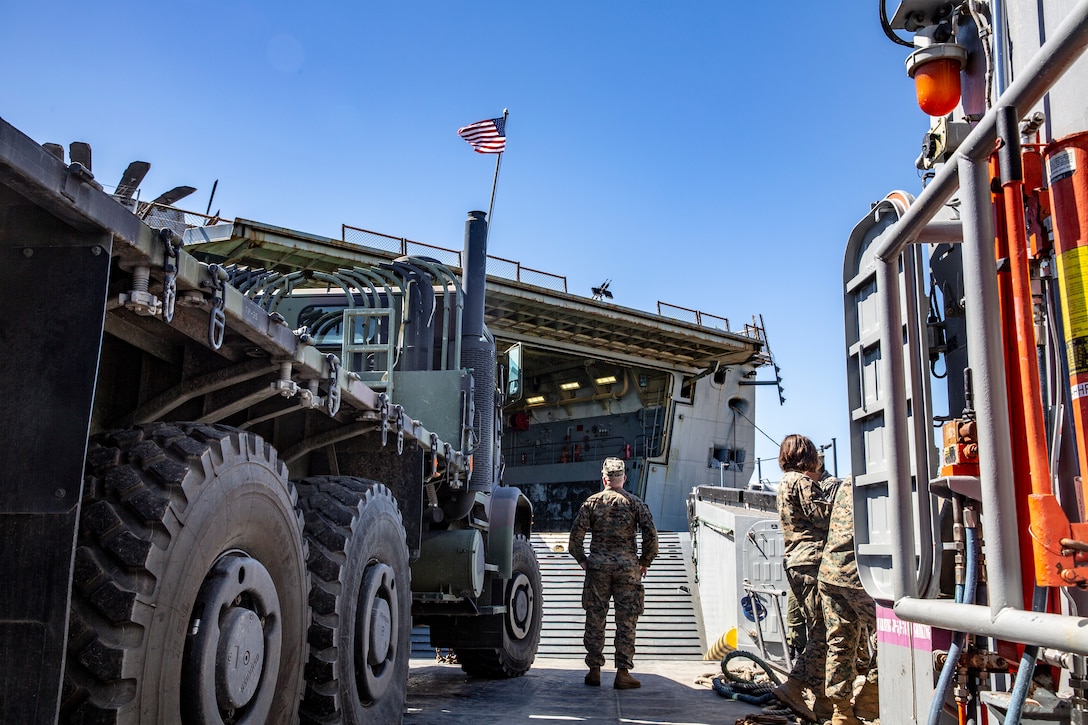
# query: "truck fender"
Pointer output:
{"type": "Point", "coordinates": [511, 513]}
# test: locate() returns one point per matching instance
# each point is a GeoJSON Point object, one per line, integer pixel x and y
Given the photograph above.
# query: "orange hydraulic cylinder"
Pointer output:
{"type": "Point", "coordinates": [1005, 297]}
{"type": "Point", "coordinates": [1024, 321]}
{"type": "Point", "coordinates": [1042, 505]}
{"type": "Point", "coordinates": [1067, 168]}
{"type": "Point", "coordinates": [1067, 171]}
{"type": "Point", "coordinates": [1021, 468]}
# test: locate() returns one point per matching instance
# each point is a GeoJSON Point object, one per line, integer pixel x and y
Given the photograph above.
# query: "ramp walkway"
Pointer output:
{"type": "Point", "coordinates": [669, 629]}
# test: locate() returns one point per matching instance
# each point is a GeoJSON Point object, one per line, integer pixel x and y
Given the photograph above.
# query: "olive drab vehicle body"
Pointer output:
{"type": "Point", "coordinates": [246, 466]}
{"type": "Point", "coordinates": [228, 492]}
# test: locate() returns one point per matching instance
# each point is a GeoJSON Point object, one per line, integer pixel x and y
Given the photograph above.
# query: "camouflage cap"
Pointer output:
{"type": "Point", "coordinates": [614, 468]}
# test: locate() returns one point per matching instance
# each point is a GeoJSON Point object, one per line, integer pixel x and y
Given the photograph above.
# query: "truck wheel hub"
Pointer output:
{"type": "Point", "coordinates": [234, 638]}
{"type": "Point", "coordinates": [520, 606]}
{"type": "Point", "coordinates": [239, 657]}
{"type": "Point", "coordinates": [376, 631]}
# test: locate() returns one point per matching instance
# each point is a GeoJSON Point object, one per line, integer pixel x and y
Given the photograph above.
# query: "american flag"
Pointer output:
{"type": "Point", "coordinates": [486, 137]}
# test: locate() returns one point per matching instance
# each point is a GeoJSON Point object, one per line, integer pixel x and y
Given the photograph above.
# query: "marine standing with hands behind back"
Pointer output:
{"type": "Point", "coordinates": [614, 569]}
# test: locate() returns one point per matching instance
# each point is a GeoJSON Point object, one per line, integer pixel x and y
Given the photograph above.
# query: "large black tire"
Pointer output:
{"type": "Point", "coordinates": [361, 597]}
{"type": "Point", "coordinates": [189, 589]}
{"type": "Point", "coordinates": [521, 631]}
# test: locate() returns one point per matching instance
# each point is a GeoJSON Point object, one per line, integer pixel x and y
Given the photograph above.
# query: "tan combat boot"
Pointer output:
{"type": "Point", "coordinates": [624, 681]}
{"type": "Point", "coordinates": [791, 693]}
{"type": "Point", "coordinates": [823, 708]}
{"type": "Point", "coordinates": [867, 703]}
{"type": "Point", "coordinates": [593, 677]}
{"type": "Point", "coordinates": [844, 713]}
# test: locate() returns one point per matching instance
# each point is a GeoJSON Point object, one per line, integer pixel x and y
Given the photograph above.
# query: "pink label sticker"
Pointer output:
{"type": "Point", "coordinates": [890, 629]}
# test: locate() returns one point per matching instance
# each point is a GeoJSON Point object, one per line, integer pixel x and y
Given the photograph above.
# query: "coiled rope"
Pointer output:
{"type": "Point", "coordinates": [732, 686]}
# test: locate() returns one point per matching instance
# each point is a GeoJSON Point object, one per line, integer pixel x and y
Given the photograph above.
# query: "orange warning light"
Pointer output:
{"type": "Point", "coordinates": [936, 73]}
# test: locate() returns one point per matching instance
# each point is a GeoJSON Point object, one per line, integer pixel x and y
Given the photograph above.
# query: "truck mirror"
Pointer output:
{"type": "Point", "coordinates": [513, 377]}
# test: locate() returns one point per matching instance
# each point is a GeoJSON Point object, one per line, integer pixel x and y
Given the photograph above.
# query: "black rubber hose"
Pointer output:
{"type": "Point", "coordinates": [887, 27]}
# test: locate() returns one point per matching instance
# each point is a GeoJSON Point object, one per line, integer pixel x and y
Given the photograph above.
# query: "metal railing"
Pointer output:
{"type": "Point", "coordinates": [698, 317]}
{"type": "Point", "coordinates": [595, 449]}
{"type": "Point", "coordinates": [512, 269]}
{"type": "Point", "coordinates": [161, 216]}
{"type": "Point", "coordinates": [178, 220]}
{"type": "Point", "coordinates": [496, 266]}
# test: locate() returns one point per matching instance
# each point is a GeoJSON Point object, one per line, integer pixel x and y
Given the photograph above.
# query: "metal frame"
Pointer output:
{"type": "Point", "coordinates": [1005, 616]}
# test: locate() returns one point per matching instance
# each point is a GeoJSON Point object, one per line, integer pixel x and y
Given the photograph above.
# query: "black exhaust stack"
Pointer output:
{"type": "Point", "coordinates": [478, 350]}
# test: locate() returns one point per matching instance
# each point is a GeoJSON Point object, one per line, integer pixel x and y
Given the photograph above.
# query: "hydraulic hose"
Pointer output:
{"type": "Point", "coordinates": [944, 683]}
{"type": "Point", "coordinates": [948, 672]}
{"type": "Point", "coordinates": [1027, 666]}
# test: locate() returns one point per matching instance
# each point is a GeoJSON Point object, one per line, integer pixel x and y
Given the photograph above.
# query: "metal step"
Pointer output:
{"type": "Point", "coordinates": [668, 629]}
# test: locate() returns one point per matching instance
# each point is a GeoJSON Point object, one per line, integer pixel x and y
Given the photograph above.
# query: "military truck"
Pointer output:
{"type": "Point", "coordinates": [228, 491]}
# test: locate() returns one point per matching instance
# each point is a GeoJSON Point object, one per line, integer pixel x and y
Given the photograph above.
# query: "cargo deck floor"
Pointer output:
{"type": "Point", "coordinates": [553, 692]}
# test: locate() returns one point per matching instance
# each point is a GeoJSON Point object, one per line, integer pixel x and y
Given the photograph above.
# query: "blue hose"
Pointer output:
{"type": "Point", "coordinates": [944, 683]}
{"type": "Point", "coordinates": [970, 582]}
{"type": "Point", "coordinates": [967, 595]}
{"type": "Point", "coordinates": [1027, 666]}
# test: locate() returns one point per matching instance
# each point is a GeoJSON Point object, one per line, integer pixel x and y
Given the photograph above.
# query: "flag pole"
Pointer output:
{"type": "Point", "coordinates": [495, 181]}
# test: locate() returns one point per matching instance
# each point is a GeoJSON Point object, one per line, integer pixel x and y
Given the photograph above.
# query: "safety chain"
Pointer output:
{"type": "Point", "coordinates": [398, 410]}
{"type": "Point", "coordinates": [332, 400]}
{"type": "Point", "coordinates": [383, 413]}
{"type": "Point", "coordinates": [434, 455]}
{"type": "Point", "coordinates": [217, 322]}
{"type": "Point", "coordinates": [171, 260]}
{"type": "Point", "coordinates": [447, 450]}
{"type": "Point", "coordinates": [693, 528]}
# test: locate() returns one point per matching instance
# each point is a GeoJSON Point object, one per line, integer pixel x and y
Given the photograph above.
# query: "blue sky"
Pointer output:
{"type": "Point", "coordinates": [693, 154]}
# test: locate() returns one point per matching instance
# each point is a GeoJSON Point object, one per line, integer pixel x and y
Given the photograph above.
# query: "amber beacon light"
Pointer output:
{"type": "Point", "coordinates": [936, 72]}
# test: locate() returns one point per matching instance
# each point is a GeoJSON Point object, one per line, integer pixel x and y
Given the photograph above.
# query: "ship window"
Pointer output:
{"type": "Point", "coordinates": [325, 323]}
{"type": "Point", "coordinates": [687, 389]}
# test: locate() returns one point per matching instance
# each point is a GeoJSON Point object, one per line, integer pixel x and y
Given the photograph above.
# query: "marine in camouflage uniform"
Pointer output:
{"type": "Point", "coordinates": [849, 613]}
{"type": "Point", "coordinates": [614, 568]}
{"type": "Point", "coordinates": [804, 508]}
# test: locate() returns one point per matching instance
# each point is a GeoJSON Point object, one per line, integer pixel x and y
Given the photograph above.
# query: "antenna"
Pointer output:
{"type": "Point", "coordinates": [209, 209]}
{"type": "Point", "coordinates": [602, 292]}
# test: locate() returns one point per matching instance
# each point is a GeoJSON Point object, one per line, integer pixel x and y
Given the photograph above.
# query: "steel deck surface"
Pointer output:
{"type": "Point", "coordinates": [553, 692]}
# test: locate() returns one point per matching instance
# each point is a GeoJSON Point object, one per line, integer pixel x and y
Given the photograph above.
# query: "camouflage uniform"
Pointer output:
{"type": "Point", "coordinates": [613, 517]}
{"type": "Point", "coordinates": [796, 635]}
{"type": "Point", "coordinates": [804, 506]}
{"type": "Point", "coordinates": [849, 613]}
